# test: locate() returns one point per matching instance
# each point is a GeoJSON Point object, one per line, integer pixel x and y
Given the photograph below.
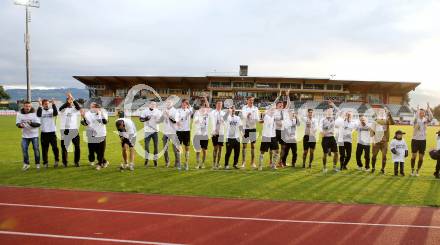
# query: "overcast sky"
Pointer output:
{"type": "Point", "coordinates": [363, 40]}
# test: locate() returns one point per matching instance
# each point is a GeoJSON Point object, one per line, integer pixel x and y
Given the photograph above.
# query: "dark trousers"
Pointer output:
{"type": "Point", "coordinates": [97, 148]}
{"type": "Point", "coordinates": [289, 147]}
{"type": "Point", "coordinates": [345, 154]}
{"type": "Point", "coordinates": [70, 136]}
{"type": "Point", "coordinates": [49, 138]}
{"type": "Point", "coordinates": [148, 137]}
{"type": "Point", "coordinates": [360, 149]}
{"type": "Point", "coordinates": [232, 144]}
{"type": "Point", "coordinates": [437, 167]}
{"type": "Point", "coordinates": [396, 168]}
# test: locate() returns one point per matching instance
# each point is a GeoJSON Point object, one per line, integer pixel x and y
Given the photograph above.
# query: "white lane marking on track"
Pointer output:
{"type": "Point", "coordinates": [15, 233]}
{"type": "Point", "coordinates": [221, 217]}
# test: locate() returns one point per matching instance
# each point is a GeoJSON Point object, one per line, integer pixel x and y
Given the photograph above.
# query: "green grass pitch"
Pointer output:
{"type": "Point", "coordinates": [350, 186]}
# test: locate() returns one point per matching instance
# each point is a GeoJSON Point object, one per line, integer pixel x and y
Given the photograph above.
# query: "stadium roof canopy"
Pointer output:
{"type": "Point", "coordinates": [124, 81]}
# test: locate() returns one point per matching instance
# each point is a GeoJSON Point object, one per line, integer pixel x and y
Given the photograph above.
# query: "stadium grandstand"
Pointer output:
{"type": "Point", "coordinates": [362, 96]}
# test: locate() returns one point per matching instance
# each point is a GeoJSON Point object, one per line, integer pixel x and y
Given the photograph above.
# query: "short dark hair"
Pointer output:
{"type": "Point", "coordinates": [121, 114]}
{"type": "Point", "coordinates": [250, 97]}
{"type": "Point", "coordinates": [310, 110]}
{"type": "Point", "coordinates": [26, 102]}
{"type": "Point", "coordinates": [119, 123]}
{"type": "Point", "coordinates": [44, 101]}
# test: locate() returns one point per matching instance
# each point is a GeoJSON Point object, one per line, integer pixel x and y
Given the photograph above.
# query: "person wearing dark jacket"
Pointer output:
{"type": "Point", "coordinates": [69, 114]}
{"type": "Point", "coordinates": [28, 122]}
{"type": "Point", "coordinates": [48, 137]}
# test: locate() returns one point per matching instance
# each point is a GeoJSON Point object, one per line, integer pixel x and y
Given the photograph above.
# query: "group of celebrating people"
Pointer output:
{"type": "Point", "coordinates": [279, 135]}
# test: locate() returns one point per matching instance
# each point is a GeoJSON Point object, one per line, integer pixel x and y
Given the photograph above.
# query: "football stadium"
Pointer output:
{"type": "Point", "coordinates": [160, 155]}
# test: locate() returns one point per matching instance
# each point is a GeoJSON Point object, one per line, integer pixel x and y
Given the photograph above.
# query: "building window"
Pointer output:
{"type": "Point", "coordinates": [290, 85]}
{"type": "Point", "coordinates": [334, 87]}
{"type": "Point", "coordinates": [306, 96]}
{"type": "Point", "coordinates": [221, 84]}
{"type": "Point", "coordinates": [355, 98]}
{"type": "Point", "coordinates": [121, 92]}
{"type": "Point", "coordinates": [314, 86]}
{"type": "Point", "coordinates": [334, 97]}
{"type": "Point", "coordinates": [243, 85]}
{"type": "Point", "coordinates": [221, 94]}
{"type": "Point", "coordinates": [242, 94]}
{"type": "Point", "coordinates": [267, 96]}
{"type": "Point", "coordinates": [266, 85]}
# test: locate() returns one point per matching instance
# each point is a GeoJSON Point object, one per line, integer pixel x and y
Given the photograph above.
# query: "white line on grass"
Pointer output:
{"type": "Point", "coordinates": [223, 217]}
{"type": "Point", "coordinates": [14, 233]}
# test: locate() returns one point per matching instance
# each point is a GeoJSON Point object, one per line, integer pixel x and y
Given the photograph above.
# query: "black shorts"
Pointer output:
{"type": "Point", "coordinates": [184, 137]}
{"type": "Point", "coordinates": [250, 135]}
{"type": "Point", "coordinates": [308, 145]}
{"type": "Point", "coordinates": [279, 137]}
{"type": "Point", "coordinates": [268, 143]}
{"type": "Point", "coordinates": [418, 146]}
{"type": "Point", "coordinates": [215, 140]}
{"type": "Point", "coordinates": [130, 142]}
{"type": "Point", "coordinates": [200, 142]}
{"type": "Point", "coordinates": [329, 144]}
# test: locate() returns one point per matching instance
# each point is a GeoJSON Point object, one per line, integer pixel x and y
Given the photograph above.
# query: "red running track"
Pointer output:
{"type": "Point", "coordinates": [47, 216]}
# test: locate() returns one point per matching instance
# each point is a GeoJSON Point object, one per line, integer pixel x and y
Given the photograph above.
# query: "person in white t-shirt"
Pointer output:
{"type": "Point", "coordinates": [170, 118]}
{"type": "Point", "coordinates": [249, 116]}
{"type": "Point", "coordinates": [345, 128]}
{"type": "Point", "coordinates": [309, 140]}
{"type": "Point", "coordinates": [47, 115]}
{"type": "Point", "coordinates": [95, 121]}
{"type": "Point", "coordinates": [234, 129]}
{"type": "Point", "coordinates": [200, 126]}
{"type": "Point", "coordinates": [435, 155]}
{"type": "Point", "coordinates": [288, 135]}
{"type": "Point", "coordinates": [399, 151]}
{"type": "Point", "coordinates": [28, 122]}
{"type": "Point", "coordinates": [418, 142]}
{"type": "Point", "coordinates": [151, 117]}
{"type": "Point", "coordinates": [268, 139]}
{"type": "Point", "coordinates": [127, 134]}
{"type": "Point", "coordinates": [217, 132]}
{"type": "Point", "coordinates": [328, 143]}
{"type": "Point", "coordinates": [364, 132]}
{"type": "Point", "coordinates": [69, 116]}
{"type": "Point", "coordinates": [184, 129]}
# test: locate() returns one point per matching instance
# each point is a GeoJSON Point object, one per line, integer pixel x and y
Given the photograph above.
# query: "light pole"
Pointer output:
{"type": "Point", "coordinates": [28, 4]}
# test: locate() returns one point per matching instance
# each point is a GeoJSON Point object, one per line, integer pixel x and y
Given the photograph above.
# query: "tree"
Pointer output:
{"type": "Point", "coordinates": [3, 94]}
{"type": "Point", "coordinates": [436, 112]}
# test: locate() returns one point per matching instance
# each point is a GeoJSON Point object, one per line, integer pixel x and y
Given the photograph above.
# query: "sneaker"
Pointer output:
{"type": "Point", "coordinates": [243, 165]}
{"type": "Point", "coordinates": [412, 172]}
{"type": "Point", "coordinates": [236, 167]}
{"type": "Point", "coordinates": [360, 168]}
{"type": "Point", "coordinates": [77, 164]}
{"type": "Point", "coordinates": [310, 165]}
{"type": "Point", "coordinates": [382, 171]}
{"type": "Point", "coordinates": [324, 170]}
{"type": "Point", "coordinates": [55, 165]}
{"type": "Point", "coordinates": [417, 173]}
{"type": "Point", "coordinates": [367, 169]}
{"type": "Point", "coordinates": [37, 166]}
{"type": "Point", "coordinates": [146, 163]}
{"type": "Point", "coordinates": [402, 174]}
{"type": "Point", "coordinates": [187, 167]}
{"type": "Point", "coordinates": [260, 168]}
{"type": "Point", "coordinates": [131, 167]}
{"type": "Point", "coordinates": [336, 169]}
{"type": "Point", "coordinates": [227, 167]}
{"type": "Point", "coordinates": [92, 164]}
{"type": "Point", "coordinates": [45, 165]}
{"type": "Point", "coordinates": [26, 167]}
{"type": "Point", "coordinates": [253, 165]}
{"type": "Point", "coordinates": [167, 165]}
{"type": "Point", "coordinates": [274, 167]}
{"type": "Point", "coordinates": [203, 166]}
{"type": "Point", "coordinates": [98, 167]}
{"type": "Point", "coordinates": [373, 170]}
{"type": "Point", "coordinates": [106, 164]}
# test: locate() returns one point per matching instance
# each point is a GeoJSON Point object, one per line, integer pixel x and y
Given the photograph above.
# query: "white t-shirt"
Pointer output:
{"type": "Point", "coordinates": [69, 118]}
{"type": "Point", "coordinates": [250, 117]}
{"type": "Point", "coordinates": [345, 130]}
{"type": "Point", "coordinates": [47, 120]}
{"type": "Point", "coordinates": [364, 135]}
{"type": "Point", "coordinates": [279, 117]}
{"type": "Point", "coordinates": [130, 128]}
{"type": "Point", "coordinates": [420, 126]}
{"type": "Point", "coordinates": [151, 125]}
{"type": "Point", "coordinates": [289, 130]}
{"type": "Point", "coordinates": [95, 127]}
{"type": "Point", "coordinates": [217, 122]}
{"type": "Point", "coordinates": [328, 127]}
{"type": "Point", "coordinates": [200, 122]}
{"type": "Point", "coordinates": [233, 124]}
{"type": "Point", "coordinates": [401, 147]}
{"type": "Point", "coordinates": [268, 126]}
{"type": "Point", "coordinates": [185, 119]}
{"type": "Point", "coordinates": [28, 131]}
{"type": "Point", "coordinates": [168, 126]}
{"type": "Point", "coordinates": [310, 128]}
